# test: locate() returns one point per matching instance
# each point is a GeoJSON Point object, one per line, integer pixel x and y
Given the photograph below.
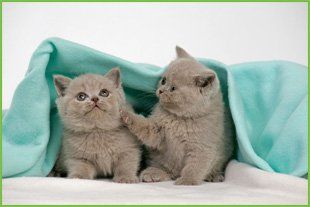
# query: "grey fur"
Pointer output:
{"type": "Point", "coordinates": [95, 142]}
{"type": "Point", "coordinates": [189, 132]}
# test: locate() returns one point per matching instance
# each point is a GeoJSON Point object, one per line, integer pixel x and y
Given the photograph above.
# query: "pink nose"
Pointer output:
{"type": "Point", "coordinates": [95, 99]}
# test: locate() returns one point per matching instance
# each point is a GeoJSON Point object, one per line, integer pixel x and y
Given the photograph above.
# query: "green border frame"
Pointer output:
{"type": "Point", "coordinates": [193, 1]}
{"type": "Point", "coordinates": [162, 1]}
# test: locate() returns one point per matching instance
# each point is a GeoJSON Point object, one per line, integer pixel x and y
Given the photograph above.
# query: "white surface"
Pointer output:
{"type": "Point", "coordinates": [148, 32]}
{"type": "Point", "coordinates": [243, 185]}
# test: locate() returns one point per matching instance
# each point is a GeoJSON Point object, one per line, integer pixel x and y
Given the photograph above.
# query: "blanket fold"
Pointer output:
{"type": "Point", "coordinates": [268, 102]}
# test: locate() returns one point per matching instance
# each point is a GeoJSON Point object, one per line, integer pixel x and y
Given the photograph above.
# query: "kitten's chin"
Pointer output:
{"type": "Point", "coordinates": [96, 109]}
{"type": "Point", "coordinates": [171, 107]}
{"type": "Point", "coordinates": [180, 111]}
{"type": "Point", "coordinates": [101, 119]}
{"type": "Point", "coordinates": [95, 114]}
{"type": "Point", "coordinates": [92, 123]}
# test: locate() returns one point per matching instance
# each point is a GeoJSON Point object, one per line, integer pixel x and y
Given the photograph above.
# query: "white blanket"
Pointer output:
{"type": "Point", "coordinates": [243, 185]}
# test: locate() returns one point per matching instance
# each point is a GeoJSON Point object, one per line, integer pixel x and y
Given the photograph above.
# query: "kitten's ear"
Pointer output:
{"type": "Point", "coordinates": [204, 79]}
{"type": "Point", "coordinates": [61, 84]}
{"type": "Point", "coordinates": [115, 75]}
{"type": "Point", "coordinates": [181, 53]}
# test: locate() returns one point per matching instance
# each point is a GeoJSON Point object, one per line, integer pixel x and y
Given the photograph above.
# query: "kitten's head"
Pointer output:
{"type": "Point", "coordinates": [187, 87]}
{"type": "Point", "coordinates": [90, 101]}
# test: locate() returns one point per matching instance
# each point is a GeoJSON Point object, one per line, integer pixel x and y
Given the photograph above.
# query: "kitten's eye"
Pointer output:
{"type": "Point", "coordinates": [163, 81]}
{"type": "Point", "coordinates": [81, 96]}
{"type": "Point", "coordinates": [172, 88]}
{"type": "Point", "coordinates": [104, 93]}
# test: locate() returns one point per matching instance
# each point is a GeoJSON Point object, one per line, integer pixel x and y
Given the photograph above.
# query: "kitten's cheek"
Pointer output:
{"type": "Point", "coordinates": [158, 94]}
{"type": "Point", "coordinates": [163, 97]}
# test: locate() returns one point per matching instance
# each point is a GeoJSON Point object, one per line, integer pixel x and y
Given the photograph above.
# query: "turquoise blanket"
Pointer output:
{"type": "Point", "coordinates": [268, 101]}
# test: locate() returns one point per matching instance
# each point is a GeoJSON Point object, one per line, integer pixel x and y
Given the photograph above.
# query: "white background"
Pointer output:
{"type": "Point", "coordinates": [148, 32]}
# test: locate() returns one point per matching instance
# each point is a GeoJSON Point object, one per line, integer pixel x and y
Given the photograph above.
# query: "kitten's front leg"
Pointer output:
{"type": "Point", "coordinates": [126, 168]}
{"type": "Point", "coordinates": [197, 166]}
{"type": "Point", "coordinates": [145, 130]}
{"type": "Point", "coordinates": [78, 168]}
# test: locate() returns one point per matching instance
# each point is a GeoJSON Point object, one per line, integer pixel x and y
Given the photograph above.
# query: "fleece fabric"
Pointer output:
{"type": "Point", "coordinates": [268, 103]}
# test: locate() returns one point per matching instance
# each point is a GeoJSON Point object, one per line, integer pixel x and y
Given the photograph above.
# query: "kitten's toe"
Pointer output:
{"type": "Point", "coordinates": [126, 179]}
{"type": "Point", "coordinates": [153, 177]}
{"type": "Point", "coordinates": [75, 176]}
{"type": "Point", "coordinates": [79, 176]}
{"type": "Point", "coordinates": [187, 181]}
{"type": "Point", "coordinates": [219, 178]}
{"type": "Point", "coordinates": [216, 178]}
{"type": "Point", "coordinates": [147, 178]}
{"type": "Point", "coordinates": [125, 117]}
{"type": "Point", "coordinates": [54, 174]}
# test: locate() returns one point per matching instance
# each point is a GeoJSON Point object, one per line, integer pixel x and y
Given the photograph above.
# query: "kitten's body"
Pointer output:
{"type": "Point", "coordinates": [95, 142]}
{"type": "Point", "coordinates": [99, 153]}
{"type": "Point", "coordinates": [188, 136]}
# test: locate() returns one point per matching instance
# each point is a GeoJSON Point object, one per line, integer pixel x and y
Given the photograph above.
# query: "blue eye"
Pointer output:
{"type": "Point", "coordinates": [104, 93]}
{"type": "Point", "coordinates": [81, 96]}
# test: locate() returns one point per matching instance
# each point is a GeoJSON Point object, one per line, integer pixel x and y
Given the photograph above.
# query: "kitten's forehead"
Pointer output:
{"type": "Point", "coordinates": [181, 70]}
{"type": "Point", "coordinates": [89, 82]}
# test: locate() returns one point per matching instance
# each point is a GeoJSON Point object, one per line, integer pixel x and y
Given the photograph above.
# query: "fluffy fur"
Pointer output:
{"type": "Point", "coordinates": [95, 142]}
{"type": "Point", "coordinates": [188, 135]}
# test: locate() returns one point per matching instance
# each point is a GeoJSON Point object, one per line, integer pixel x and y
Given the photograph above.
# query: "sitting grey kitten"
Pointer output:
{"type": "Point", "coordinates": [95, 142]}
{"type": "Point", "coordinates": [188, 134]}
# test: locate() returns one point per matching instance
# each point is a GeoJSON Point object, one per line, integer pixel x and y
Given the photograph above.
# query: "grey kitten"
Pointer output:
{"type": "Point", "coordinates": [189, 133]}
{"type": "Point", "coordinates": [95, 142]}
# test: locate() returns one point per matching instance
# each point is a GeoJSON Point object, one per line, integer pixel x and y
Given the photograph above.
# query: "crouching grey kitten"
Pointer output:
{"type": "Point", "coordinates": [188, 134]}
{"type": "Point", "coordinates": [95, 142]}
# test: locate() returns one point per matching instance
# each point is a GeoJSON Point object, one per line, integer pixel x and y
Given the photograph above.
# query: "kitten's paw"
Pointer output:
{"type": "Point", "coordinates": [126, 179]}
{"type": "Point", "coordinates": [216, 178]}
{"type": "Point", "coordinates": [187, 181]}
{"type": "Point", "coordinates": [150, 175]}
{"type": "Point", "coordinates": [79, 176]}
{"type": "Point", "coordinates": [126, 118]}
{"type": "Point", "coordinates": [76, 176]}
{"type": "Point", "coordinates": [54, 174]}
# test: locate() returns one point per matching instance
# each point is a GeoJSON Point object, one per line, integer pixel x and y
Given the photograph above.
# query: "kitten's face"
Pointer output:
{"type": "Point", "coordinates": [90, 101]}
{"type": "Point", "coordinates": [187, 86]}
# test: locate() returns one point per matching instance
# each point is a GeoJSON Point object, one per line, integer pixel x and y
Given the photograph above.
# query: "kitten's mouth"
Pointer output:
{"type": "Point", "coordinates": [166, 103]}
{"type": "Point", "coordinates": [164, 100]}
{"type": "Point", "coordinates": [93, 108]}
{"type": "Point", "coordinates": [96, 106]}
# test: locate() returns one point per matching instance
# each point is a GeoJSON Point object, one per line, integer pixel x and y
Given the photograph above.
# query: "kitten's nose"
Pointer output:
{"type": "Point", "coordinates": [95, 99]}
{"type": "Point", "coordinates": [160, 91]}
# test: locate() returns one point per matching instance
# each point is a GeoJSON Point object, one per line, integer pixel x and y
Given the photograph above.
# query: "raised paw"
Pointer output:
{"type": "Point", "coordinates": [187, 181]}
{"type": "Point", "coordinates": [154, 175]}
{"type": "Point", "coordinates": [126, 179]}
{"type": "Point", "coordinates": [125, 116]}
